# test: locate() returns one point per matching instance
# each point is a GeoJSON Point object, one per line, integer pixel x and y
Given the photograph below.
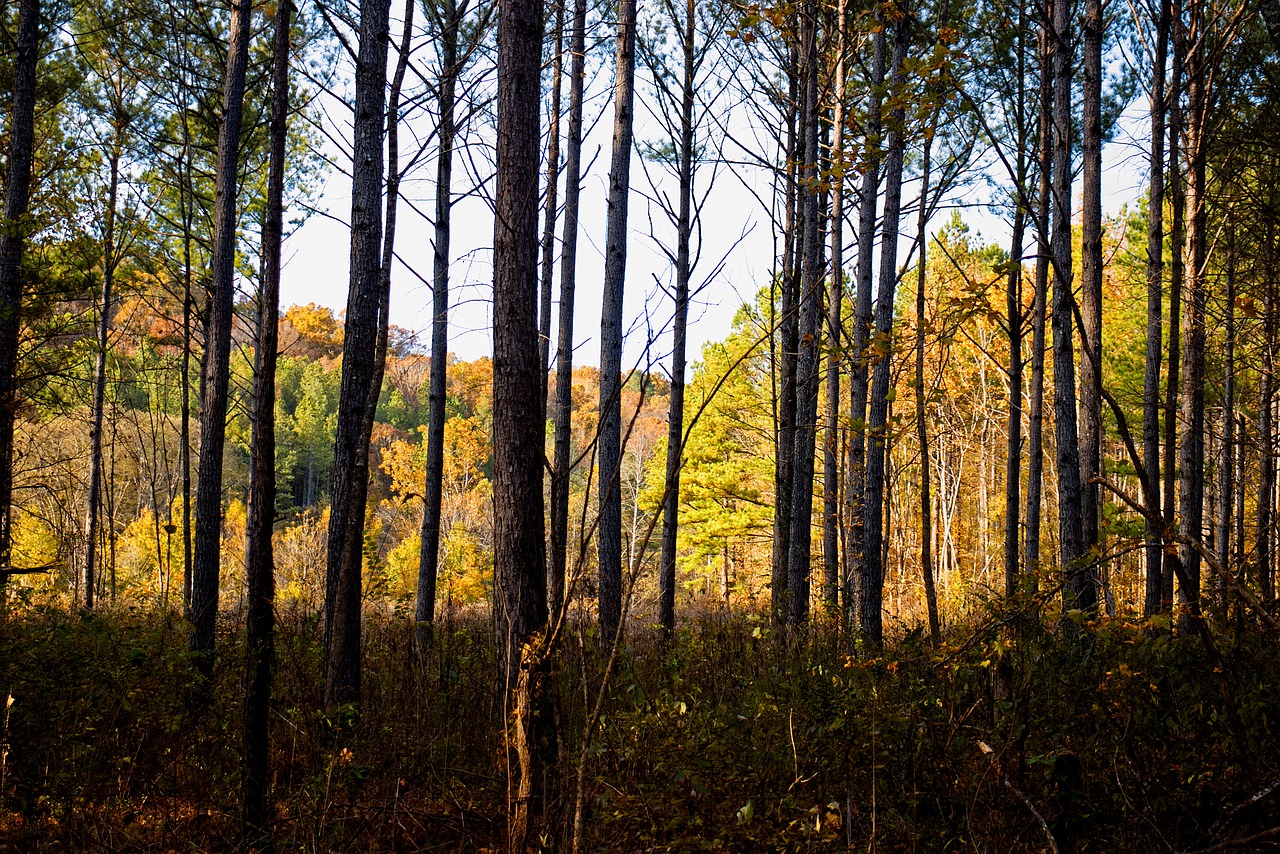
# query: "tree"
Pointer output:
{"type": "Point", "coordinates": [563, 411]}
{"type": "Point", "coordinates": [518, 427]}
{"type": "Point", "coordinates": [215, 367]}
{"type": "Point", "coordinates": [1091, 262]}
{"type": "Point", "coordinates": [360, 371]}
{"type": "Point", "coordinates": [609, 536]}
{"type": "Point", "coordinates": [259, 525]}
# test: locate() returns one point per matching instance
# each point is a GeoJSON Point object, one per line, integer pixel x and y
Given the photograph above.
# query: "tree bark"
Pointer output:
{"type": "Point", "coordinates": [564, 344]}
{"type": "Point", "coordinates": [1191, 449]}
{"type": "Point", "coordinates": [429, 554]}
{"type": "Point", "coordinates": [675, 418]}
{"type": "Point", "coordinates": [810, 307]}
{"type": "Point", "coordinates": [100, 380]}
{"type": "Point", "coordinates": [881, 352]}
{"type": "Point", "coordinates": [922, 419]}
{"type": "Point", "coordinates": [1091, 287]}
{"type": "Point", "coordinates": [1079, 587]}
{"type": "Point", "coordinates": [1266, 440]}
{"type": "Point", "coordinates": [1226, 460]}
{"type": "Point", "coordinates": [518, 429]}
{"type": "Point", "coordinates": [1177, 235]}
{"type": "Point", "coordinates": [1035, 414]}
{"type": "Point", "coordinates": [1155, 296]}
{"type": "Point", "coordinates": [359, 366]}
{"type": "Point", "coordinates": [549, 216]}
{"type": "Point", "coordinates": [259, 560]}
{"type": "Point", "coordinates": [855, 486]}
{"type": "Point", "coordinates": [217, 348]}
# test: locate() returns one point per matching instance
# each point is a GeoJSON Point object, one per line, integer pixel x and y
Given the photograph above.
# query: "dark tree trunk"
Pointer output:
{"type": "Point", "coordinates": [609, 535]}
{"type": "Point", "coordinates": [1013, 466]}
{"type": "Point", "coordinates": [855, 486]}
{"type": "Point", "coordinates": [1226, 461]}
{"type": "Point", "coordinates": [100, 380]}
{"type": "Point", "coordinates": [872, 604]}
{"type": "Point", "coordinates": [788, 335]}
{"type": "Point", "coordinates": [1191, 449]}
{"type": "Point", "coordinates": [549, 214]}
{"type": "Point", "coordinates": [835, 307]}
{"type": "Point", "coordinates": [1035, 414]}
{"type": "Point", "coordinates": [810, 308]}
{"type": "Point", "coordinates": [360, 369]}
{"type": "Point", "coordinates": [1091, 287]}
{"type": "Point", "coordinates": [1266, 440]}
{"type": "Point", "coordinates": [518, 429]}
{"type": "Point", "coordinates": [922, 416]}
{"type": "Point", "coordinates": [564, 345]}
{"type": "Point", "coordinates": [1177, 235]}
{"type": "Point", "coordinates": [217, 348]}
{"type": "Point", "coordinates": [1079, 591]}
{"type": "Point", "coordinates": [17, 197]}
{"type": "Point", "coordinates": [1155, 320]}
{"type": "Point", "coordinates": [429, 554]}
{"type": "Point", "coordinates": [259, 562]}
{"type": "Point", "coordinates": [675, 418]}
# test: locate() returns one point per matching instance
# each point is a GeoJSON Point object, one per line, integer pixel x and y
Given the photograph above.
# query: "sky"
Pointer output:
{"type": "Point", "coordinates": [737, 257]}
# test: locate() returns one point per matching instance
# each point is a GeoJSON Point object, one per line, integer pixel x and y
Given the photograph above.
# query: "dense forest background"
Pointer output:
{"type": "Point", "coordinates": [951, 539]}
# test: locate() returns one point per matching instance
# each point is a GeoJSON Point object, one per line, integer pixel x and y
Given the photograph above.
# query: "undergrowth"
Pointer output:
{"type": "Point", "coordinates": [736, 736]}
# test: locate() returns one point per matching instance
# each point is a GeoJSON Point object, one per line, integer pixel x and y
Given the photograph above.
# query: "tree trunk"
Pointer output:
{"type": "Point", "coordinates": [359, 366]}
{"type": "Point", "coordinates": [609, 535]}
{"type": "Point", "coordinates": [100, 380]}
{"type": "Point", "coordinates": [1155, 320]}
{"type": "Point", "coordinates": [675, 418]}
{"type": "Point", "coordinates": [259, 562]}
{"type": "Point", "coordinates": [1013, 465]}
{"type": "Point", "coordinates": [1177, 194]}
{"type": "Point", "coordinates": [855, 486]}
{"type": "Point", "coordinates": [835, 307]}
{"type": "Point", "coordinates": [217, 348]}
{"type": "Point", "coordinates": [1191, 450]}
{"type": "Point", "coordinates": [922, 418]}
{"type": "Point", "coordinates": [1266, 440]}
{"type": "Point", "coordinates": [1226, 460]}
{"type": "Point", "coordinates": [787, 343]}
{"type": "Point", "coordinates": [564, 345]}
{"type": "Point", "coordinates": [1035, 415]}
{"type": "Point", "coordinates": [518, 429]}
{"type": "Point", "coordinates": [1079, 587]}
{"type": "Point", "coordinates": [429, 554]}
{"type": "Point", "coordinates": [1091, 287]}
{"type": "Point", "coordinates": [881, 351]}
{"type": "Point", "coordinates": [549, 219]}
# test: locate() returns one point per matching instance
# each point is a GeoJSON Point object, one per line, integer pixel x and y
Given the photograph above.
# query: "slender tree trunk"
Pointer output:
{"type": "Point", "coordinates": [429, 556]}
{"type": "Point", "coordinates": [675, 418]}
{"type": "Point", "coordinates": [835, 307]}
{"type": "Point", "coordinates": [1177, 197]}
{"type": "Point", "coordinates": [217, 348]}
{"type": "Point", "coordinates": [1091, 289]}
{"type": "Point", "coordinates": [1070, 496]}
{"type": "Point", "coordinates": [810, 308]}
{"type": "Point", "coordinates": [789, 335]}
{"type": "Point", "coordinates": [17, 197]}
{"type": "Point", "coordinates": [259, 562]}
{"type": "Point", "coordinates": [518, 428]}
{"type": "Point", "coordinates": [1014, 317]}
{"type": "Point", "coordinates": [922, 417]}
{"type": "Point", "coordinates": [1035, 415]}
{"type": "Point", "coordinates": [100, 380]}
{"type": "Point", "coordinates": [855, 487]}
{"type": "Point", "coordinates": [609, 536]}
{"type": "Point", "coordinates": [564, 345]}
{"type": "Point", "coordinates": [549, 217]}
{"type": "Point", "coordinates": [360, 370]}
{"type": "Point", "coordinates": [1155, 320]}
{"type": "Point", "coordinates": [1226, 462]}
{"type": "Point", "coordinates": [881, 351]}
{"type": "Point", "coordinates": [1191, 450]}
{"type": "Point", "coordinates": [1266, 440]}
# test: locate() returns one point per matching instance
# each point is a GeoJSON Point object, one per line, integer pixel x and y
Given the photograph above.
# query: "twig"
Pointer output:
{"type": "Point", "coordinates": [1044, 825]}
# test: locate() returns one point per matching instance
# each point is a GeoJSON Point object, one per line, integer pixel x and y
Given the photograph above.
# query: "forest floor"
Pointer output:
{"type": "Point", "coordinates": [737, 737]}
